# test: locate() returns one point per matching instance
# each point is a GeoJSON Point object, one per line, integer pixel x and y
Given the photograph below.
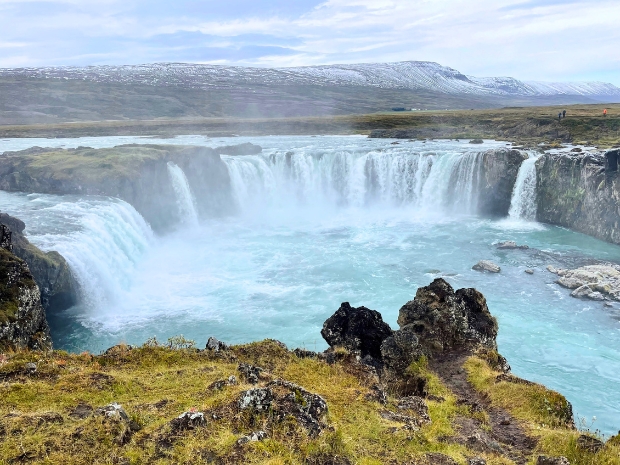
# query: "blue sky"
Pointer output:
{"type": "Point", "coordinates": [557, 40]}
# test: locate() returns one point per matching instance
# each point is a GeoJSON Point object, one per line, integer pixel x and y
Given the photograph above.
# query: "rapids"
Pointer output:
{"type": "Point", "coordinates": [322, 220]}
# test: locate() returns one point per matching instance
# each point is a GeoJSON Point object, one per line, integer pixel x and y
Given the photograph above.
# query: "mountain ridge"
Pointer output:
{"type": "Point", "coordinates": [413, 75]}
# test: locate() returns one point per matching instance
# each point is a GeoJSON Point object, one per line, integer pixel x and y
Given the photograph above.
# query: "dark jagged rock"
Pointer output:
{"type": "Point", "coordinates": [250, 373]}
{"type": "Point", "coordinates": [22, 317]}
{"type": "Point", "coordinates": [307, 408]}
{"type": "Point", "coordinates": [356, 329]}
{"type": "Point", "coordinates": [589, 444]}
{"type": "Point", "coordinates": [188, 421]}
{"type": "Point", "coordinates": [215, 345]}
{"type": "Point", "coordinates": [50, 270]}
{"type": "Point", "coordinates": [401, 348]}
{"type": "Point", "coordinates": [446, 320]}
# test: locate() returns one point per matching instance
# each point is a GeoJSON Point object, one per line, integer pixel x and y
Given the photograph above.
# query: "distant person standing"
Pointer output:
{"type": "Point", "coordinates": [564, 114]}
{"type": "Point", "coordinates": [560, 116]}
{"type": "Point", "coordinates": [605, 112]}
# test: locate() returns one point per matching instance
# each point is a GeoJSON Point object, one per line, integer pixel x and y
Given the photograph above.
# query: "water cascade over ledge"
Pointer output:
{"type": "Point", "coordinates": [436, 182]}
{"type": "Point", "coordinates": [185, 199]}
{"type": "Point", "coordinates": [523, 203]}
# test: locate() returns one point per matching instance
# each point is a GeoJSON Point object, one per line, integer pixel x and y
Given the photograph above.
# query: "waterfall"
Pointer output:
{"type": "Point", "coordinates": [102, 241]}
{"type": "Point", "coordinates": [523, 202]}
{"type": "Point", "coordinates": [185, 199]}
{"type": "Point", "coordinates": [447, 182]}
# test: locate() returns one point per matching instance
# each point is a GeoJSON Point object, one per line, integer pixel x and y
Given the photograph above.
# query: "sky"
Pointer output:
{"type": "Point", "coordinates": [546, 40]}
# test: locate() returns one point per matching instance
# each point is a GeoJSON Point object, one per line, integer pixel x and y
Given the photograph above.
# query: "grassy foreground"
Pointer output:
{"type": "Point", "coordinates": [46, 416]}
{"type": "Point", "coordinates": [530, 125]}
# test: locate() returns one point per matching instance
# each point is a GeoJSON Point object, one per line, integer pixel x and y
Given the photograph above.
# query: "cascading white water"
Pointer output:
{"type": "Point", "coordinates": [523, 202]}
{"type": "Point", "coordinates": [432, 181]}
{"type": "Point", "coordinates": [102, 240]}
{"type": "Point", "coordinates": [185, 199]}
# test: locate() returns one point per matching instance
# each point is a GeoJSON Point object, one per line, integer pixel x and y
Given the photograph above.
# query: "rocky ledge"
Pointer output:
{"type": "Point", "coordinates": [22, 317]}
{"type": "Point", "coordinates": [50, 270]}
{"type": "Point", "coordinates": [580, 191]}
{"type": "Point", "coordinates": [433, 392]}
{"type": "Point", "coordinates": [137, 174]}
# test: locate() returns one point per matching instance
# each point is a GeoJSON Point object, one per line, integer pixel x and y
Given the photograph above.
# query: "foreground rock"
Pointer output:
{"type": "Point", "coordinates": [357, 329]}
{"type": "Point", "coordinates": [438, 320]}
{"type": "Point", "coordinates": [50, 270]}
{"type": "Point", "coordinates": [596, 282]}
{"type": "Point", "coordinates": [22, 317]}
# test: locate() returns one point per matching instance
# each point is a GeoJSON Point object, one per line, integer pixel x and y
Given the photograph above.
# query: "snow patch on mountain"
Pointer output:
{"type": "Point", "coordinates": [414, 75]}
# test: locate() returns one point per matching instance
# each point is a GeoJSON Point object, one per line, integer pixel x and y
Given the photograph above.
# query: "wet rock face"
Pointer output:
{"type": "Point", "coordinates": [50, 270]}
{"type": "Point", "coordinates": [579, 192]}
{"type": "Point", "coordinates": [443, 319]}
{"type": "Point", "coordinates": [22, 317]}
{"type": "Point", "coordinates": [498, 175]}
{"type": "Point", "coordinates": [356, 329]}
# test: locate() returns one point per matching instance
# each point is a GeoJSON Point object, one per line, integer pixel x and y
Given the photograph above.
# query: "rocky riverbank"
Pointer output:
{"type": "Point", "coordinates": [433, 392]}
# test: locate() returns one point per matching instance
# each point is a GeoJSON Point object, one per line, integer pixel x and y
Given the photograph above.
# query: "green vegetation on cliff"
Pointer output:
{"type": "Point", "coordinates": [47, 416]}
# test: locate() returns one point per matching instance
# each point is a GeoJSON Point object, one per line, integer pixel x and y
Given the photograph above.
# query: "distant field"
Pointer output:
{"type": "Point", "coordinates": [528, 125]}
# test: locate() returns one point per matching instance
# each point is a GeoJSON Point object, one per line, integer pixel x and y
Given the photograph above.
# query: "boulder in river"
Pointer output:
{"type": "Point", "coordinates": [509, 245]}
{"type": "Point", "coordinates": [486, 265]}
{"type": "Point", "coordinates": [595, 282]}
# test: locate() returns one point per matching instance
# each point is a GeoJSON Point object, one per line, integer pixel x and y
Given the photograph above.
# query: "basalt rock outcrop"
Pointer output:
{"type": "Point", "coordinates": [22, 317]}
{"type": "Point", "coordinates": [437, 321]}
{"type": "Point", "coordinates": [356, 329]}
{"type": "Point", "coordinates": [580, 191]}
{"type": "Point", "coordinates": [50, 270]}
{"type": "Point", "coordinates": [498, 175]}
{"type": "Point", "coordinates": [137, 174]}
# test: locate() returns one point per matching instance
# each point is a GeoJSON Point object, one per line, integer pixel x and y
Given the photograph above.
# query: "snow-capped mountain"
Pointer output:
{"type": "Point", "coordinates": [412, 75]}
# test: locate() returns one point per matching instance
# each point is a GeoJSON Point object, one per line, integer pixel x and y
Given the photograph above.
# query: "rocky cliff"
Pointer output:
{"type": "Point", "coordinates": [499, 171]}
{"type": "Point", "coordinates": [137, 174]}
{"type": "Point", "coordinates": [22, 317]}
{"type": "Point", "coordinates": [580, 192]}
{"type": "Point", "coordinates": [49, 269]}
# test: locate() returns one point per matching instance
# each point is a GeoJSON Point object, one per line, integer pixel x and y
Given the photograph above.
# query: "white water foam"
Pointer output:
{"type": "Point", "coordinates": [185, 199]}
{"type": "Point", "coordinates": [523, 203]}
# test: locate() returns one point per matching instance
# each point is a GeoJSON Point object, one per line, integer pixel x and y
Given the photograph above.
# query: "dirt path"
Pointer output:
{"type": "Point", "coordinates": [505, 437]}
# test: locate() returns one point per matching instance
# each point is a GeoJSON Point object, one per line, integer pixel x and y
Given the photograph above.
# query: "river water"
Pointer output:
{"type": "Point", "coordinates": [320, 221]}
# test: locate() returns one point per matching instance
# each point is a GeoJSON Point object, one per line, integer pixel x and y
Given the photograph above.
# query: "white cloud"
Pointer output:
{"type": "Point", "coordinates": [539, 40]}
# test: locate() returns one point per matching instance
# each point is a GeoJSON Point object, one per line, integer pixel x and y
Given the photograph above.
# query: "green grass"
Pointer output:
{"type": "Point", "coordinates": [543, 412]}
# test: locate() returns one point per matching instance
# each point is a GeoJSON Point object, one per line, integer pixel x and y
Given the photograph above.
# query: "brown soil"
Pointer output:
{"type": "Point", "coordinates": [505, 437]}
